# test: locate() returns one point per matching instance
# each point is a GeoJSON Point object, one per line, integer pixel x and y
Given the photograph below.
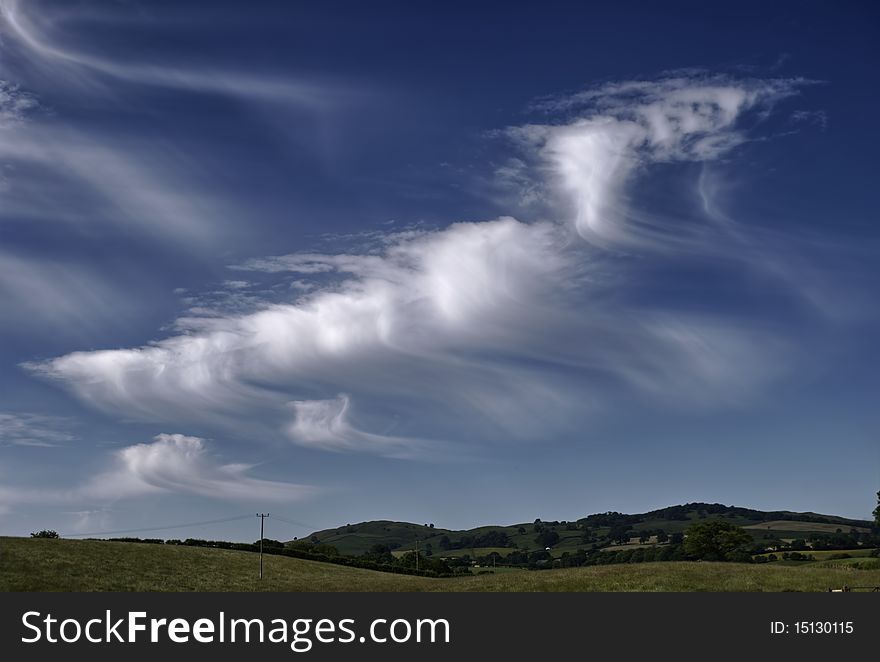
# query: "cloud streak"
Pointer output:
{"type": "Point", "coordinates": [68, 297]}
{"type": "Point", "coordinates": [325, 424]}
{"type": "Point", "coordinates": [38, 34]}
{"type": "Point", "coordinates": [27, 429]}
{"type": "Point", "coordinates": [104, 178]}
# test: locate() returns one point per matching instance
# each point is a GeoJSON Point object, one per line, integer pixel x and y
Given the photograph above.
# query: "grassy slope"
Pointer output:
{"type": "Point", "coordinates": [85, 565]}
{"type": "Point", "coordinates": [74, 565]}
{"type": "Point", "coordinates": [358, 538]}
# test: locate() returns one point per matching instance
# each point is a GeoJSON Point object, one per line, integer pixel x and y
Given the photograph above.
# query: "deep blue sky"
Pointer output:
{"type": "Point", "coordinates": [434, 261]}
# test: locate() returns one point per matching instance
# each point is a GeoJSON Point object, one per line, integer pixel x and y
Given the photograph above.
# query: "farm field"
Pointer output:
{"type": "Point", "coordinates": [803, 527]}
{"type": "Point", "coordinates": [71, 565]}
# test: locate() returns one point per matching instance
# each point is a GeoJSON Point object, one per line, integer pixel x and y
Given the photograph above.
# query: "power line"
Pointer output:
{"type": "Point", "coordinates": [295, 523]}
{"type": "Point", "coordinates": [157, 528]}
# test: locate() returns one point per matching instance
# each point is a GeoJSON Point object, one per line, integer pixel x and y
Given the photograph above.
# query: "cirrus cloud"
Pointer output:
{"type": "Point", "coordinates": [621, 128]}
{"type": "Point", "coordinates": [492, 329]}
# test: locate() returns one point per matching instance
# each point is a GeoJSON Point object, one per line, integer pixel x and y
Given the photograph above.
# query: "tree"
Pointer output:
{"type": "Point", "coordinates": [45, 533]}
{"type": "Point", "coordinates": [877, 512]}
{"type": "Point", "coordinates": [379, 553]}
{"type": "Point", "coordinates": [547, 538]}
{"type": "Point", "coordinates": [716, 540]}
{"type": "Point", "coordinates": [662, 536]}
{"type": "Point", "coordinates": [619, 534]}
{"type": "Point", "coordinates": [644, 537]}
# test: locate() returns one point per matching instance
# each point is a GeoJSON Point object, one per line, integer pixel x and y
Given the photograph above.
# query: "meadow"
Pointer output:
{"type": "Point", "coordinates": [85, 565]}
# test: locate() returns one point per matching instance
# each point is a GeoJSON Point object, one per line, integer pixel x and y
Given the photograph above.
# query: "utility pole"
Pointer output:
{"type": "Point", "coordinates": [262, 517]}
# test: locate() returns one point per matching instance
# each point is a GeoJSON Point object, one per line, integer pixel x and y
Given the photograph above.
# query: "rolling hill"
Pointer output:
{"type": "Point", "coordinates": [32, 564]}
{"type": "Point", "coordinates": [599, 530]}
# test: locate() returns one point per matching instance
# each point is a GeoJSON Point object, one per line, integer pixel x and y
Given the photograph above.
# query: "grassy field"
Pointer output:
{"type": "Point", "coordinates": [803, 527]}
{"type": "Point", "coordinates": [824, 554]}
{"type": "Point", "coordinates": [857, 562]}
{"type": "Point", "coordinates": [74, 565]}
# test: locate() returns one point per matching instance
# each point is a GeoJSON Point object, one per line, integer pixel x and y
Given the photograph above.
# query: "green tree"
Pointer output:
{"type": "Point", "coordinates": [619, 534]}
{"type": "Point", "coordinates": [380, 553]}
{"type": "Point", "coordinates": [716, 540]}
{"type": "Point", "coordinates": [877, 512]}
{"type": "Point", "coordinates": [547, 538]}
{"type": "Point", "coordinates": [45, 533]}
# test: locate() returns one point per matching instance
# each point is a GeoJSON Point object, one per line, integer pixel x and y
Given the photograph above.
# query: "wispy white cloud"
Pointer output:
{"type": "Point", "coordinates": [817, 117]}
{"type": "Point", "coordinates": [68, 297]}
{"type": "Point", "coordinates": [181, 464]}
{"type": "Point", "coordinates": [808, 268]}
{"type": "Point", "coordinates": [498, 328]}
{"type": "Point", "coordinates": [142, 182]}
{"type": "Point", "coordinates": [170, 464]}
{"type": "Point", "coordinates": [58, 174]}
{"type": "Point", "coordinates": [481, 323]}
{"type": "Point", "coordinates": [324, 424]}
{"type": "Point", "coordinates": [39, 31]}
{"type": "Point", "coordinates": [619, 129]}
{"type": "Point", "coordinates": [15, 105]}
{"type": "Point", "coordinates": [28, 429]}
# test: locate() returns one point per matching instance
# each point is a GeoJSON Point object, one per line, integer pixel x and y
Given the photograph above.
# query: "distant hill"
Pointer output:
{"type": "Point", "coordinates": [594, 531]}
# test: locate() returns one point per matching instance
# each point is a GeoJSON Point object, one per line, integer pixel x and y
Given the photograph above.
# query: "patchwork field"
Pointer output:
{"type": "Point", "coordinates": [400, 537]}
{"type": "Point", "coordinates": [804, 527]}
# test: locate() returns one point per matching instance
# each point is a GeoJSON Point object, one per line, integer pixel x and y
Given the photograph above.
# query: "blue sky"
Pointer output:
{"type": "Point", "coordinates": [434, 262]}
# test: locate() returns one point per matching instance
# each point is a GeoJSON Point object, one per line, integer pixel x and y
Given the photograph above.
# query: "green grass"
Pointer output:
{"type": "Point", "coordinates": [789, 526]}
{"type": "Point", "coordinates": [499, 570]}
{"type": "Point", "coordinates": [858, 563]}
{"type": "Point", "coordinates": [358, 538]}
{"type": "Point", "coordinates": [75, 565]}
{"type": "Point", "coordinates": [823, 554]}
{"type": "Point", "coordinates": [86, 565]}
